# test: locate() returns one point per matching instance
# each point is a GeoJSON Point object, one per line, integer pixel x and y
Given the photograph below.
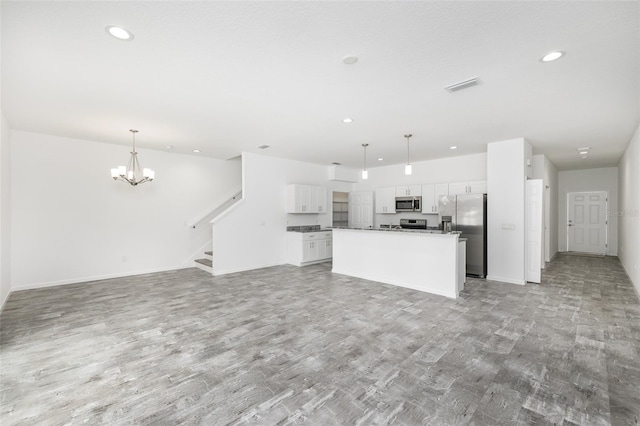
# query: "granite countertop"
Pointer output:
{"type": "Point", "coordinates": [412, 231]}
{"type": "Point", "coordinates": [307, 228]}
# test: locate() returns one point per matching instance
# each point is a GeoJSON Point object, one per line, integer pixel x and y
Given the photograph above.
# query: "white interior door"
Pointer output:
{"type": "Point", "coordinates": [587, 222]}
{"type": "Point", "coordinates": [361, 209]}
{"type": "Point", "coordinates": [533, 221]}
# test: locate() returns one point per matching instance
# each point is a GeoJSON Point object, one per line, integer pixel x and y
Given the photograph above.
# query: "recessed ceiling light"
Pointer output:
{"type": "Point", "coordinates": [119, 32]}
{"type": "Point", "coordinates": [264, 146]}
{"type": "Point", "coordinates": [347, 120]}
{"type": "Point", "coordinates": [584, 152]}
{"type": "Point", "coordinates": [585, 156]}
{"type": "Point", "coordinates": [380, 159]}
{"type": "Point", "coordinates": [453, 147]}
{"type": "Point", "coordinates": [552, 56]}
{"type": "Point", "coordinates": [584, 148]}
{"type": "Point", "coordinates": [350, 60]}
{"type": "Point", "coordinates": [169, 146]}
{"type": "Point", "coordinates": [196, 151]}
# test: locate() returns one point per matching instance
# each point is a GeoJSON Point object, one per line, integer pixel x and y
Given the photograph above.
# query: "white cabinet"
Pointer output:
{"type": "Point", "coordinates": [441, 190]}
{"type": "Point", "coordinates": [430, 196]}
{"type": "Point", "coordinates": [409, 191]}
{"type": "Point", "coordinates": [428, 199]}
{"type": "Point", "coordinates": [305, 248]}
{"type": "Point", "coordinates": [386, 200]}
{"type": "Point", "coordinates": [309, 251]}
{"type": "Point", "coordinates": [458, 188]}
{"type": "Point", "coordinates": [306, 199]}
{"type": "Point", "coordinates": [476, 187]}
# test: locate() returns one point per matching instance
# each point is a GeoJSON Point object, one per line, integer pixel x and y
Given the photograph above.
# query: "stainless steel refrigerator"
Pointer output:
{"type": "Point", "coordinates": [469, 216]}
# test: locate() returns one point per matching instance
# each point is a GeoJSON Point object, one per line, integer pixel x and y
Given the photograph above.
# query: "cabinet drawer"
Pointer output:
{"type": "Point", "coordinates": [316, 235]}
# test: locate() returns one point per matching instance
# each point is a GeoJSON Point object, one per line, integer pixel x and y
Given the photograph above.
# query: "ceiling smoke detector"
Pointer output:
{"type": "Point", "coordinates": [350, 60]}
{"type": "Point", "coordinates": [462, 85]}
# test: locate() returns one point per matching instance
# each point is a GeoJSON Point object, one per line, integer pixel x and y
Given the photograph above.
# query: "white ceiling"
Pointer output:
{"type": "Point", "coordinates": [226, 77]}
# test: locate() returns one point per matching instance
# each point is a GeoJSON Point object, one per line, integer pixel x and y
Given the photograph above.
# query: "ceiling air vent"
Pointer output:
{"type": "Point", "coordinates": [462, 84]}
{"type": "Point", "coordinates": [264, 146]}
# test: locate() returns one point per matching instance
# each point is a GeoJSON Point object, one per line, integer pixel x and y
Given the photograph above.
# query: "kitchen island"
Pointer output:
{"type": "Point", "coordinates": [421, 260]}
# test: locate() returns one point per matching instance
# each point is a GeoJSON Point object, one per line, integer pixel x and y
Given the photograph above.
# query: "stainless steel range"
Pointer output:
{"type": "Point", "coordinates": [413, 223]}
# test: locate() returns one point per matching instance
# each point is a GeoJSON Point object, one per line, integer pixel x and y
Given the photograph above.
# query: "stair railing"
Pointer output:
{"type": "Point", "coordinates": [216, 211]}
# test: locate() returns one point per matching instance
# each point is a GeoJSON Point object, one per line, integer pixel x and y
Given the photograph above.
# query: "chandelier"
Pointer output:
{"type": "Point", "coordinates": [131, 173]}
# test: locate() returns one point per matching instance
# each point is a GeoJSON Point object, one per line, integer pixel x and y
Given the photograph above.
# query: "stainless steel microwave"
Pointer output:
{"type": "Point", "coordinates": [408, 204]}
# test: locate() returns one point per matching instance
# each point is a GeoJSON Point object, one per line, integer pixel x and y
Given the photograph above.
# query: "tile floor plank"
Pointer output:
{"type": "Point", "coordinates": [288, 345]}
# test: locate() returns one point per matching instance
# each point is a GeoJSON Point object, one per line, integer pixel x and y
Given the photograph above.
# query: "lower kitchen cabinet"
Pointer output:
{"type": "Point", "coordinates": [306, 248]}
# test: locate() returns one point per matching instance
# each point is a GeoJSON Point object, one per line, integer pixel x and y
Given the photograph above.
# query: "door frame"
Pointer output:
{"type": "Point", "coordinates": [606, 221]}
{"type": "Point", "coordinates": [547, 225]}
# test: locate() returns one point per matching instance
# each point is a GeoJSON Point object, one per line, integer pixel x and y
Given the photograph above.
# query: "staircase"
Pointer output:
{"type": "Point", "coordinates": [206, 263]}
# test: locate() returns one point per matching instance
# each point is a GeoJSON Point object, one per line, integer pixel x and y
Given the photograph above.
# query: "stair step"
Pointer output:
{"type": "Point", "coordinates": [205, 265]}
{"type": "Point", "coordinates": [205, 262]}
{"type": "Point", "coordinates": [210, 253]}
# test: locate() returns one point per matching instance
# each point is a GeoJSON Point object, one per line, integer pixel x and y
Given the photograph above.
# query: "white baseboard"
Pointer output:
{"type": "Point", "coordinates": [635, 288]}
{"type": "Point", "coordinates": [93, 278]}
{"type": "Point", "coordinates": [4, 302]}
{"type": "Point", "coordinates": [437, 292]}
{"type": "Point", "coordinates": [505, 280]}
{"type": "Point", "coordinates": [217, 272]}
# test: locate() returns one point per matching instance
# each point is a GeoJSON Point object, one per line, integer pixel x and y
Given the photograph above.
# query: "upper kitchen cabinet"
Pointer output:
{"type": "Point", "coordinates": [430, 196]}
{"type": "Point", "coordinates": [409, 191]}
{"type": "Point", "coordinates": [478, 187]}
{"type": "Point", "coordinates": [386, 200]}
{"type": "Point", "coordinates": [306, 199]}
{"type": "Point", "coordinates": [461, 188]}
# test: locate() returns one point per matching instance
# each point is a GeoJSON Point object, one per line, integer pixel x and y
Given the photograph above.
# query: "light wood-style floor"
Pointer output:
{"type": "Point", "coordinates": [289, 345]}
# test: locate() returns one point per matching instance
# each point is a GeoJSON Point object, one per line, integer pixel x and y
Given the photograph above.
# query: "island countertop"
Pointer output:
{"type": "Point", "coordinates": [424, 261]}
{"type": "Point", "coordinates": [408, 231]}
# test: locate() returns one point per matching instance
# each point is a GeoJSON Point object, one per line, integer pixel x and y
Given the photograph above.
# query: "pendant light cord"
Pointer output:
{"type": "Point", "coordinates": [408, 157]}
{"type": "Point", "coordinates": [365, 145]}
{"type": "Point", "coordinates": [133, 131]}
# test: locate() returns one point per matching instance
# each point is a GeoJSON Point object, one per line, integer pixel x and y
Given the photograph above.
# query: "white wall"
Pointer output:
{"type": "Point", "coordinates": [507, 171]}
{"type": "Point", "coordinates": [551, 176]}
{"type": "Point", "coordinates": [253, 235]}
{"type": "Point", "coordinates": [444, 170]}
{"type": "Point", "coordinates": [5, 211]}
{"type": "Point", "coordinates": [629, 210]}
{"type": "Point", "coordinates": [71, 222]}
{"type": "Point", "coordinates": [603, 179]}
{"type": "Point", "coordinates": [547, 171]}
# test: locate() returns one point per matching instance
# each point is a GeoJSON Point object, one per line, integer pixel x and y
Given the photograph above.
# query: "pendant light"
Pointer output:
{"type": "Point", "coordinates": [131, 174]}
{"type": "Point", "coordinates": [408, 169]}
{"type": "Point", "coordinates": [365, 173]}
